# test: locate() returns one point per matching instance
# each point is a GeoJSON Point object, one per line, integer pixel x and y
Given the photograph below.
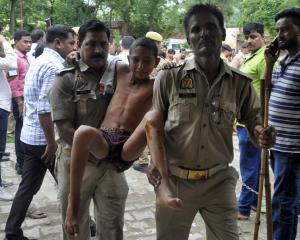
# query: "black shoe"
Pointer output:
{"type": "Point", "coordinates": [4, 158]}
{"type": "Point", "coordinates": [92, 227]}
{"type": "Point", "coordinates": [141, 167]}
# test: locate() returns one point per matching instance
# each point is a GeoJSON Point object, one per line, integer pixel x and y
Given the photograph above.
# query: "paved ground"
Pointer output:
{"type": "Point", "coordinates": [139, 216]}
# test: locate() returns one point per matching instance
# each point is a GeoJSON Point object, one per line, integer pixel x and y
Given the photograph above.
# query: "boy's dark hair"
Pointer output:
{"type": "Point", "coordinates": [19, 34]}
{"type": "Point", "coordinates": [145, 42]}
{"type": "Point", "coordinates": [293, 13]}
{"type": "Point", "coordinates": [253, 26]}
{"type": "Point", "coordinates": [58, 31]}
{"type": "Point", "coordinates": [200, 8]}
{"type": "Point", "coordinates": [171, 51]}
{"type": "Point", "coordinates": [36, 35]}
{"type": "Point", "coordinates": [92, 26]}
{"type": "Point", "coordinates": [127, 41]}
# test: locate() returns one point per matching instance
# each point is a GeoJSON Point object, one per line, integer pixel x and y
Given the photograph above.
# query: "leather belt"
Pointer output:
{"type": "Point", "coordinates": [194, 174]}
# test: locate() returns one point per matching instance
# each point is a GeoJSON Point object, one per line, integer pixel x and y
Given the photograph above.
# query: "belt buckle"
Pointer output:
{"type": "Point", "coordinates": [197, 174]}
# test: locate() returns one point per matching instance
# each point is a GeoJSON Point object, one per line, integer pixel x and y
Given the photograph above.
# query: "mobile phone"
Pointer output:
{"type": "Point", "coordinates": [274, 46]}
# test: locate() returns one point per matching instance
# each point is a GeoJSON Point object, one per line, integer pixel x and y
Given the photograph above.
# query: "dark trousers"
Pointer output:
{"type": "Point", "coordinates": [19, 124]}
{"type": "Point", "coordinates": [286, 168]}
{"type": "Point", "coordinates": [34, 170]}
{"type": "Point", "coordinates": [3, 130]}
{"type": "Point", "coordinates": [249, 166]}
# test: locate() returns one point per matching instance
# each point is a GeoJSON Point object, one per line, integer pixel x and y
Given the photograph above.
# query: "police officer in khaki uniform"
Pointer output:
{"type": "Point", "coordinates": [80, 95]}
{"type": "Point", "coordinates": [199, 102]}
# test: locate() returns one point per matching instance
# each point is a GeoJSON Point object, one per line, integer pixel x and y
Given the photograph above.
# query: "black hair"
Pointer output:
{"type": "Point", "coordinates": [127, 41]}
{"type": "Point", "coordinates": [19, 34]}
{"type": "Point", "coordinates": [200, 8]}
{"type": "Point", "coordinates": [92, 26]}
{"type": "Point", "coordinates": [226, 47]}
{"type": "Point", "coordinates": [293, 13]}
{"type": "Point", "coordinates": [253, 26]}
{"type": "Point", "coordinates": [58, 31]}
{"type": "Point", "coordinates": [145, 42]}
{"type": "Point", "coordinates": [171, 51]}
{"type": "Point", "coordinates": [39, 50]}
{"type": "Point", "coordinates": [36, 35]}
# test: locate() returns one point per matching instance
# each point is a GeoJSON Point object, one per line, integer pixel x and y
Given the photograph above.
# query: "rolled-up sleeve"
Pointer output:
{"type": "Point", "coordinates": [9, 62]}
{"type": "Point", "coordinates": [61, 99]}
{"type": "Point", "coordinates": [160, 93]}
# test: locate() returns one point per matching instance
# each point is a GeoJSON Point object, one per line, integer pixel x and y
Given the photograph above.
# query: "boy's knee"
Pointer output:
{"type": "Point", "coordinates": [154, 116]}
{"type": "Point", "coordinates": [83, 132]}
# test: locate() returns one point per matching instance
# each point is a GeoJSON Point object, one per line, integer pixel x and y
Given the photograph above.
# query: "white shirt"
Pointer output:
{"type": "Point", "coordinates": [38, 81]}
{"type": "Point", "coordinates": [9, 62]}
{"type": "Point", "coordinates": [30, 56]}
{"type": "Point", "coordinates": [124, 56]}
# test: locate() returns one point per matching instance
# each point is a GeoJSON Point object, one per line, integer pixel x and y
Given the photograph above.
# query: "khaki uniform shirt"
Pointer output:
{"type": "Point", "coordinates": [161, 64]}
{"type": "Point", "coordinates": [80, 95]}
{"type": "Point", "coordinates": [199, 118]}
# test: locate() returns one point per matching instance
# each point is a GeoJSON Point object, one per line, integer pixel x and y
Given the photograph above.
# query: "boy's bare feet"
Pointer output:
{"type": "Point", "coordinates": [165, 197]}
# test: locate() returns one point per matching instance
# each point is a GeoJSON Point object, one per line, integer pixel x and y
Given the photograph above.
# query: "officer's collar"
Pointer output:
{"type": "Point", "coordinates": [82, 66]}
{"type": "Point", "coordinates": [190, 64]}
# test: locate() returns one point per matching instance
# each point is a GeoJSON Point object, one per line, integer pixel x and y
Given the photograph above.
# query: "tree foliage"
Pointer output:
{"type": "Point", "coordinates": [137, 16]}
{"type": "Point", "coordinates": [264, 11]}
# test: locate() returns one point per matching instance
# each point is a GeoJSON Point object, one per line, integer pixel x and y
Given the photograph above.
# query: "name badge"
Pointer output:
{"type": "Point", "coordinates": [80, 92]}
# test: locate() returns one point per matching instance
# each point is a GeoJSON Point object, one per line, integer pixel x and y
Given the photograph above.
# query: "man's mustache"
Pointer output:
{"type": "Point", "coordinates": [98, 56]}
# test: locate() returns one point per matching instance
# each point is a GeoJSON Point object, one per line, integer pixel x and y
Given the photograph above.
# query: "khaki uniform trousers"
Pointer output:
{"type": "Point", "coordinates": [214, 198]}
{"type": "Point", "coordinates": [106, 187]}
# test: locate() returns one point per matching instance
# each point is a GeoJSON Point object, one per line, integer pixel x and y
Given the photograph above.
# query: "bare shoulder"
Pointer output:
{"type": "Point", "coordinates": [122, 67]}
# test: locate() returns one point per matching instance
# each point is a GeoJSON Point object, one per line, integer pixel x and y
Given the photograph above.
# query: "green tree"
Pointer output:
{"type": "Point", "coordinates": [264, 11]}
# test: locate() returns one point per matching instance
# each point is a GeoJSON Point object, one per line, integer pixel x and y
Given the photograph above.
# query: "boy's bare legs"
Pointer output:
{"type": "Point", "coordinates": [152, 130]}
{"type": "Point", "coordinates": [87, 140]}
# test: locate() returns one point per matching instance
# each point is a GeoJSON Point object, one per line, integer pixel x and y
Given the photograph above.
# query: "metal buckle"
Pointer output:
{"type": "Point", "coordinates": [197, 174]}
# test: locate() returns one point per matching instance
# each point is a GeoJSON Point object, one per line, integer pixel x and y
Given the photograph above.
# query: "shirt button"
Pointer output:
{"type": "Point", "coordinates": [202, 147]}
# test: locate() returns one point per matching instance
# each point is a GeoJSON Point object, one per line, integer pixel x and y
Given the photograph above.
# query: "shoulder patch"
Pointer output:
{"type": "Point", "coordinates": [171, 66]}
{"type": "Point", "coordinates": [240, 74]}
{"type": "Point", "coordinates": [65, 70]}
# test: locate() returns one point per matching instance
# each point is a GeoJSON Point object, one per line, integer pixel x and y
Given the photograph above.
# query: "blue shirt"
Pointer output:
{"type": "Point", "coordinates": [284, 110]}
{"type": "Point", "coordinates": [38, 81]}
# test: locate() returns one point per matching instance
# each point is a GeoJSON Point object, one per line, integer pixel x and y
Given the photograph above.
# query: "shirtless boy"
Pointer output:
{"type": "Point", "coordinates": [125, 130]}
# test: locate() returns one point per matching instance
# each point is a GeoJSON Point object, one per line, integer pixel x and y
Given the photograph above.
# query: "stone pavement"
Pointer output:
{"type": "Point", "coordinates": [139, 216]}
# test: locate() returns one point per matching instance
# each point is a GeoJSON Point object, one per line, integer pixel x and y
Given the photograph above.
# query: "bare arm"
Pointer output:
{"type": "Point", "coordinates": [48, 128]}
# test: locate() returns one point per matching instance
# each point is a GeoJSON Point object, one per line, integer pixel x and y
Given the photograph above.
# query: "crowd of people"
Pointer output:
{"type": "Point", "coordinates": [86, 111]}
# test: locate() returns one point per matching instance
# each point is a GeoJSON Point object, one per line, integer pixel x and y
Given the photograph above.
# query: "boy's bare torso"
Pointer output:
{"type": "Point", "coordinates": [131, 101]}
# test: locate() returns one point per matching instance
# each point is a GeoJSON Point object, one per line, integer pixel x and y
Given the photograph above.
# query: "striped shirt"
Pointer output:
{"type": "Point", "coordinates": [38, 81]}
{"type": "Point", "coordinates": [284, 110]}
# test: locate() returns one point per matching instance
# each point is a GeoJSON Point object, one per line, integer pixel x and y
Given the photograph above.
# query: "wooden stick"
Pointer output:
{"type": "Point", "coordinates": [264, 169]}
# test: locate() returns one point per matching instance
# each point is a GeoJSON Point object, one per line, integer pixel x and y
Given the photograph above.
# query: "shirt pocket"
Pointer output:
{"type": "Point", "coordinates": [224, 116]}
{"type": "Point", "coordinates": [82, 101]}
{"type": "Point", "coordinates": [181, 109]}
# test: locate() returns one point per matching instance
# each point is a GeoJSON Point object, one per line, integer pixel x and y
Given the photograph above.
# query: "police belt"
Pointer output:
{"type": "Point", "coordinates": [194, 174]}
